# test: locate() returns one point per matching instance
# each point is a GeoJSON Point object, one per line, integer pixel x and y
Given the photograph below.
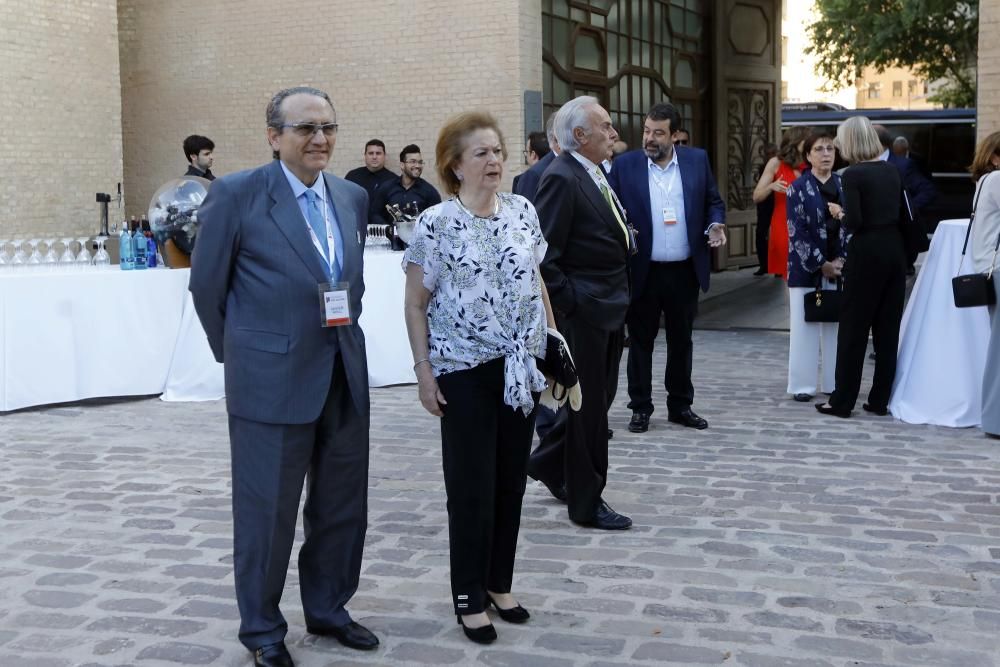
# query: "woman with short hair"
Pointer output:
{"type": "Point", "coordinates": [874, 273]}
{"type": "Point", "coordinates": [817, 247]}
{"type": "Point", "coordinates": [476, 312]}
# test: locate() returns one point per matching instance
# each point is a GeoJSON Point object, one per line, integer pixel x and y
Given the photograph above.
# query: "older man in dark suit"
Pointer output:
{"type": "Point", "coordinates": [277, 283]}
{"type": "Point", "coordinates": [671, 195]}
{"type": "Point", "coordinates": [586, 273]}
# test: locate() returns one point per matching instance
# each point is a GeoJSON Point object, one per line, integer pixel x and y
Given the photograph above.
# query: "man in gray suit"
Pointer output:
{"type": "Point", "coordinates": [277, 282]}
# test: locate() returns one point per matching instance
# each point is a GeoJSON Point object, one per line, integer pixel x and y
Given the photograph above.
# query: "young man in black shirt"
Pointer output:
{"type": "Point", "coordinates": [198, 151]}
{"type": "Point", "coordinates": [410, 192]}
{"type": "Point", "coordinates": [373, 173]}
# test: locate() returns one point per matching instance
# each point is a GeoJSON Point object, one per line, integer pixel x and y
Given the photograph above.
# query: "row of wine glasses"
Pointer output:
{"type": "Point", "coordinates": [21, 255]}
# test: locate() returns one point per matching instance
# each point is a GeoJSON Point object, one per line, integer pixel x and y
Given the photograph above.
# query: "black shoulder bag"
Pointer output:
{"type": "Point", "coordinates": [974, 289]}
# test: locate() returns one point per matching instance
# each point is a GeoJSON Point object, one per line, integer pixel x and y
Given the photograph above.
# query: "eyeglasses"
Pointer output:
{"type": "Point", "coordinates": [415, 162]}
{"type": "Point", "coordinates": [309, 129]}
{"type": "Point", "coordinates": [824, 149]}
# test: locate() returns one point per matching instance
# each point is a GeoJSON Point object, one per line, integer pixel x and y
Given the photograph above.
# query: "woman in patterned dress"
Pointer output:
{"type": "Point", "coordinates": [476, 313]}
{"type": "Point", "coordinates": [778, 174]}
{"type": "Point", "coordinates": [817, 243]}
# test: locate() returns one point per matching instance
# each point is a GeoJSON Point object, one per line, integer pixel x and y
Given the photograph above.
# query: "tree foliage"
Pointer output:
{"type": "Point", "coordinates": [937, 39]}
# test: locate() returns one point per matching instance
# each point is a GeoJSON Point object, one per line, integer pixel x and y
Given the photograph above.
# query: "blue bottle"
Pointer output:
{"type": "Point", "coordinates": [150, 251]}
{"type": "Point", "coordinates": [126, 250]}
{"type": "Point", "coordinates": [139, 248]}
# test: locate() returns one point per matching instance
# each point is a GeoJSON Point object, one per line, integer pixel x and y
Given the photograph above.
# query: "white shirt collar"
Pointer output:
{"type": "Point", "coordinates": [298, 187]}
{"type": "Point", "coordinates": [591, 168]}
{"type": "Point", "coordinates": [653, 165]}
{"type": "Point", "coordinates": [884, 156]}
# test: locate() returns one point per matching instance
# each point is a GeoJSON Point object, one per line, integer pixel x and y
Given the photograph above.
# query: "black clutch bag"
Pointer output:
{"type": "Point", "coordinates": [974, 289]}
{"type": "Point", "coordinates": [822, 305]}
{"type": "Point", "coordinates": [558, 364]}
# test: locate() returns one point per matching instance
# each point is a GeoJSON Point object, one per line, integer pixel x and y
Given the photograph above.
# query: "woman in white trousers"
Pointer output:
{"type": "Point", "coordinates": [816, 247]}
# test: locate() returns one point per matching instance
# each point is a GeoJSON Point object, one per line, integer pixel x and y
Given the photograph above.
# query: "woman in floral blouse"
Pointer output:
{"type": "Point", "coordinates": [816, 249]}
{"type": "Point", "coordinates": [476, 312]}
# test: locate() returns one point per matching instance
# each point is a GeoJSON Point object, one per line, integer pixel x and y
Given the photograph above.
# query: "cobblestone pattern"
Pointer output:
{"type": "Point", "coordinates": [778, 537]}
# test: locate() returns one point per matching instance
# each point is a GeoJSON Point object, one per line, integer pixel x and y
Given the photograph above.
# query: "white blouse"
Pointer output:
{"type": "Point", "coordinates": [986, 226]}
{"type": "Point", "coordinates": [486, 299]}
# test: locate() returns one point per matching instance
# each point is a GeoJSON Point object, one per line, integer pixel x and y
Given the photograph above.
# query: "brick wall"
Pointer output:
{"type": "Point", "coordinates": [395, 70]}
{"type": "Point", "coordinates": [61, 106]}
{"type": "Point", "coordinates": [989, 68]}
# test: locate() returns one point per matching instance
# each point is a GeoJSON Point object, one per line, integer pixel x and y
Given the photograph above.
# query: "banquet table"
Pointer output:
{"type": "Point", "coordinates": [196, 376]}
{"type": "Point", "coordinates": [67, 336]}
{"type": "Point", "coordinates": [942, 349]}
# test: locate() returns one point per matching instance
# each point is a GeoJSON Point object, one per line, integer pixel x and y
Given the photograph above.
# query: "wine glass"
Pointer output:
{"type": "Point", "coordinates": [35, 258]}
{"type": "Point", "coordinates": [51, 257]}
{"type": "Point", "coordinates": [67, 256]}
{"type": "Point", "coordinates": [83, 257]}
{"type": "Point", "coordinates": [19, 261]}
{"type": "Point", "coordinates": [101, 259]}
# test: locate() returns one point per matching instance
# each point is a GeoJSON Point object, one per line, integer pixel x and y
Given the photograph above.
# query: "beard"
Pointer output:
{"type": "Point", "coordinates": [656, 152]}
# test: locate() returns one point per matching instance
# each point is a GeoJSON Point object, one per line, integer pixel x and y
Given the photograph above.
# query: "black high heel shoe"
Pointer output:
{"type": "Point", "coordinates": [484, 635]}
{"type": "Point", "coordinates": [516, 614]}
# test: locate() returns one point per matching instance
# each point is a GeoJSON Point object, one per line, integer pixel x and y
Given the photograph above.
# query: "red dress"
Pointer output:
{"type": "Point", "coordinates": [777, 243]}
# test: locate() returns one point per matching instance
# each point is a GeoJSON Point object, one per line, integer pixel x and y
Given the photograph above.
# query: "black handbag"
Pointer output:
{"type": "Point", "coordinates": [974, 289]}
{"type": "Point", "coordinates": [557, 363]}
{"type": "Point", "coordinates": [822, 305]}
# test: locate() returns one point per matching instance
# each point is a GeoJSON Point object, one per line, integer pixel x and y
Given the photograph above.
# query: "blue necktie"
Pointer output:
{"type": "Point", "coordinates": [315, 218]}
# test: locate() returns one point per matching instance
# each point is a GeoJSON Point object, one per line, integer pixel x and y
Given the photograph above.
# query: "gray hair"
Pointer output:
{"type": "Point", "coordinates": [570, 116]}
{"type": "Point", "coordinates": [276, 115]}
{"type": "Point", "coordinates": [902, 142]}
{"type": "Point", "coordinates": [550, 132]}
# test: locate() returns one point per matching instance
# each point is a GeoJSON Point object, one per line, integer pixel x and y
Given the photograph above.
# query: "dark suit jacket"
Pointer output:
{"type": "Point", "coordinates": [254, 280]}
{"type": "Point", "coordinates": [702, 207]}
{"type": "Point", "coordinates": [586, 265]}
{"type": "Point", "coordinates": [526, 184]}
{"type": "Point", "coordinates": [919, 189]}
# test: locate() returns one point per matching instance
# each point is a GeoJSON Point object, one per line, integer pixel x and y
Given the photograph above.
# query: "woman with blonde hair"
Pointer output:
{"type": "Point", "coordinates": [874, 273]}
{"type": "Point", "coordinates": [476, 312]}
{"type": "Point", "coordinates": [778, 174]}
{"type": "Point", "coordinates": [983, 240]}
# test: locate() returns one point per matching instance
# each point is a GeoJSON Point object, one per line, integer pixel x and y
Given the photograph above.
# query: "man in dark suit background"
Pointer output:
{"type": "Point", "coordinates": [586, 273]}
{"type": "Point", "coordinates": [671, 196]}
{"type": "Point", "coordinates": [526, 184]}
{"type": "Point", "coordinates": [272, 240]}
{"type": "Point", "coordinates": [536, 148]}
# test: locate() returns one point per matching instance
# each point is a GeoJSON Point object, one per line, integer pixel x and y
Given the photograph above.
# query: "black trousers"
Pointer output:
{"type": "Point", "coordinates": [484, 446]}
{"type": "Point", "coordinates": [672, 289]}
{"type": "Point", "coordinates": [270, 463]}
{"type": "Point", "coordinates": [874, 289]}
{"type": "Point", "coordinates": [574, 452]}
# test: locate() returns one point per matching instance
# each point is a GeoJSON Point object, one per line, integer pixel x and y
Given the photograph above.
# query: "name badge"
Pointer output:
{"type": "Point", "coordinates": [669, 215]}
{"type": "Point", "coordinates": [335, 304]}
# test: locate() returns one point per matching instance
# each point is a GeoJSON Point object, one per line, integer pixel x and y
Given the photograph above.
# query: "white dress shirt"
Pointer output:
{"type": "Point", "coordinates": [666, 191]}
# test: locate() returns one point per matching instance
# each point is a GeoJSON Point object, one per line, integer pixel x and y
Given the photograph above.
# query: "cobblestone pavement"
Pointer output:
{"type": "Point", "coordinates": [777, 537]}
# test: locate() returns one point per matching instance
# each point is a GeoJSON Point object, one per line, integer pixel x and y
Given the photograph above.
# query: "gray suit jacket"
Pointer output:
{"type": "Point", "coordinates": [254, 280]}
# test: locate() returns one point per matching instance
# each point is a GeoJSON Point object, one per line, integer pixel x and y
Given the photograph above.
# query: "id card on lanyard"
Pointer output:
{"type": "Point", "coordinates": [668, 212]}
{"type": "Point", "coordinates": [335, 304]}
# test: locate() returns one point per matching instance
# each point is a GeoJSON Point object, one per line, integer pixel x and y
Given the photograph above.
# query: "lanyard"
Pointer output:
{"type": "Point", "coordinates": [656, 179]}
{"type": "Point", "coordinates": [330, 255]}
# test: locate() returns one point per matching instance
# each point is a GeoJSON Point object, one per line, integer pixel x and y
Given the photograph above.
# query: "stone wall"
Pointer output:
{"type": "Point", "coordinates": [989, 68]}
{"type": "Point", "coordinates": [61, 106]}
{"type": "Point", "coordinates": [394, 69]}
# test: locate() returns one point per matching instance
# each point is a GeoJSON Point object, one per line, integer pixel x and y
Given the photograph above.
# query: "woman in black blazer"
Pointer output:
{"type": "Point", "coordinates": [875, 272]}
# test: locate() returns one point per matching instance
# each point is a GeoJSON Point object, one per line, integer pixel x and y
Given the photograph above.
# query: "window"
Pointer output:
{"type": "Point", "coordinates": [897, 88]}
{"type": "Point", "coordinates": [874, 91]}
{"type": "Point", "coordinates": [911, 87]}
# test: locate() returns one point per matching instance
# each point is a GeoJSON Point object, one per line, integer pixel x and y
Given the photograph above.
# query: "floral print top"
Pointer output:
{"type": "Point", "coordinates": [807, 230]}
{"type": "Point", "coordinates": [486, 298]}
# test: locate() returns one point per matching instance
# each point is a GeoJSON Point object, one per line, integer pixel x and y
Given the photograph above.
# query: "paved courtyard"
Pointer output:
{"type": "Point", "coordinates": [777, 537]}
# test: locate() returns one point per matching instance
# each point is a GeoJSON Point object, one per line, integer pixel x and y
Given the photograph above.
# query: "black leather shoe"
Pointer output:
{"type": "Point", "coordinates": [606, 518]}
{"type": "Point", "coordinates": [558, 492]}
{"type": "Point", "coordinates": [803, 398]}
{"type": "Point", "coordinates": [352, 635]}
{"type": "Point", "coordinates": [828, 409]}
{"type": "Point", "coordinates": [881, 412]}
{"type": "Point", "coordinates": [639, 422]}
{"type": "Point", "coordinates": [760, 272]}
{"type": "Point", "coordinates": [486, 634]}
{"type": "Point", "coordinates": [516, 614]}
{"type": "Point", "coordinates": [688, 418]}
{"type": "Point", "coordinates": [273, 655]}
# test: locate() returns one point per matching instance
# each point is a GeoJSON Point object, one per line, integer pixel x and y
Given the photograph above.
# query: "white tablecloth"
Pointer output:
{"type": "Point", "coordinates": [195, 376]}
{"type": "Point", "coordinates": [69, 336]}
{"type": "Point", "coordinates": [942, 349]}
